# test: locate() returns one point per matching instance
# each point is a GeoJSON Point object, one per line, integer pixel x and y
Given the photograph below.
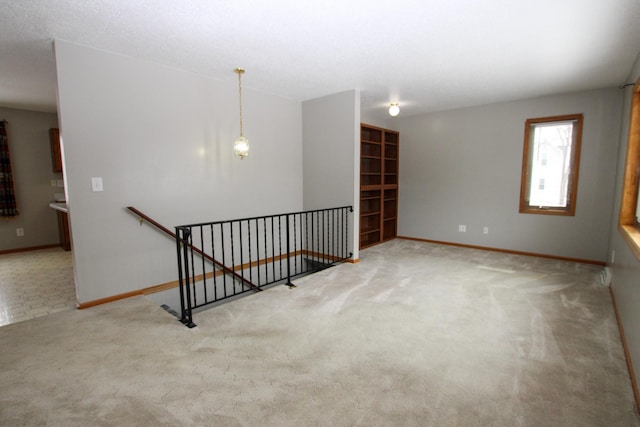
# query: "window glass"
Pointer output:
{"type": "Point", "coordinates": [550, 165]}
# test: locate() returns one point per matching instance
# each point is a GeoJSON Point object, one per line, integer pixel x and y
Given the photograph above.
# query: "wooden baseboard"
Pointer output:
{"type": "Point", "coordinates": [627, 355]}
{"type": "Point", "coordinates": [112, 298]}
{"type": "Point", "coordinates": [144, 291]}
{"type": "Point", "coordinates": [507, 251]}
{"type": "Point", "coordinates": [175, 283]}
{"type": "Point", "coordinates": [31, 248]}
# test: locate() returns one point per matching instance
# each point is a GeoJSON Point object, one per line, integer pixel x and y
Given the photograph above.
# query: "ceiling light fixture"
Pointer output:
{"type": "Point", "coordinates": [241, 144]}
{"type": "Point", "coordinates": [394, 110]}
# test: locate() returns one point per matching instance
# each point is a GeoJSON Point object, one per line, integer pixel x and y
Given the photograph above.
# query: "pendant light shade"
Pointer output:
{"type": "Point", "coordinates": [241, 147]}
{"type": "Point", "coordinates": [394, 110]}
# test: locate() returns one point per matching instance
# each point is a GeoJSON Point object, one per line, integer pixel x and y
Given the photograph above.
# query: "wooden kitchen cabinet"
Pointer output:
{"type": "Point", "coordinates": [56, 152]}
{"type": "Point", "coordinates": [63, 229]}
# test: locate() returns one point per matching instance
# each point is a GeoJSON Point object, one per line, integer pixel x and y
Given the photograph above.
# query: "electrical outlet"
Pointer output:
{"type": "Point", "coordinates": [19, 232]}
{"type": "Point", "coordinates": [462, 228]}
{"type": "Point", "coordinates": [485, 230]}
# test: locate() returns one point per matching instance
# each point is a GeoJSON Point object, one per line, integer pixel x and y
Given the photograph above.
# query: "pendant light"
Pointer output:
{"type": "Point", "coordinates": [394, 110]}
{"type": "Point", "coordinates": [241, 144]}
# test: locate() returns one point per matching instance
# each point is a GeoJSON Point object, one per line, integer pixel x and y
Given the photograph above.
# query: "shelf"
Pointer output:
{"type": "Point", "coordinates": [391, 152]}
{"type": "Point", "coordinates": [389, 230]}
{"type": "Point", "coordinates": [370, 183]}
{"type": "Point", "coordinates": [391, 137]}
{"type": "Point", "coordinates": [370, 134]}
{"type": "Point", "coordinates": [370, 231]}
{"type": "Point", "coordinates": [369, 239]}
{"type": "Point", "coordinates": [372, 150]}
{"type": "Point", "coordinates": [379, 150]}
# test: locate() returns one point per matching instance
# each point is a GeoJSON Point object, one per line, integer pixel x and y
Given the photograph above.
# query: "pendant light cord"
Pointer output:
{"type": "Point", "coordinates": [240, 71]}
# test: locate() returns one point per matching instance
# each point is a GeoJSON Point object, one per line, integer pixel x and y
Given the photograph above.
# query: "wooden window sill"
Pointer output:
{"type": "Point", "coordinates": [632, 236]}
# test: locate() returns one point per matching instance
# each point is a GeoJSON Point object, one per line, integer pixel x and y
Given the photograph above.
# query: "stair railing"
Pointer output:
{"type": "Point", "coordinates": [143, 217]}
{"type": "Point", "coordinates": [264, 250]}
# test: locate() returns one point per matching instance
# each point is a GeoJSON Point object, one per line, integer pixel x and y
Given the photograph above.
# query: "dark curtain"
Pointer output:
{"type": "Point", "coordinates": [8, 206]}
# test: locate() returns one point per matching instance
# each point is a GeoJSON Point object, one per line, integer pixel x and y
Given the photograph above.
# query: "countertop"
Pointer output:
{"type": "Point", "coordinates": [59, 206]}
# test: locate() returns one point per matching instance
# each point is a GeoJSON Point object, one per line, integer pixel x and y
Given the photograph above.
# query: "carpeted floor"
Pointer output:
{"type": "Point", "coordinates": [415, 334]}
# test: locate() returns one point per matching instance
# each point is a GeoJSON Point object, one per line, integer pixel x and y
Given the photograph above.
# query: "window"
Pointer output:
{"type": "Point", "coordinates": [627, 222]}
{"type": "Point", "coordinates": [550, 161]}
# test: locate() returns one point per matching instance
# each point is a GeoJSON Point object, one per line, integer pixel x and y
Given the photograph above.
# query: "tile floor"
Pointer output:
{"type": "Point", "coordinates": [35, 283]}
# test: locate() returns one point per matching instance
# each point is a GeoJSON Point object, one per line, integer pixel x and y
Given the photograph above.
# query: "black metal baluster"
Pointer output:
{"type": "Point", "coordinates": [334, 247]}
{"type": "Point", "coordinates": [306, 236]}
{"type": "Point", "coordinates": [301, 253]}
{"type": "Point", "coordinates": [313, 239]}
{"type": "Point", "coordinates": [343, 251]}
{"type": "Point", "coordinates": [193, 269]}
{"type": "Point", "coordinates": [291, 285]}
{"type": "Point", "coordinates": [266, 252]}
{"type": "Point", "coordinates": [295, 245]}
{"type": "Point", "coordinates": [323, 238]}
{"type": "Point", "coordinates": [346, 234]}
{"type": "Point", "coordinates": [233, 257]}
{"type": "Point", "coordinates": [224, 262]}
{"type": "Point", "coordinates": [280, 244]}
{"type": "Point", "coordinates": [213, 255]}
{"type": "Point", "coordinates": [183, 280]}
{"type": "Point", "coordinates": [241, 258]}
{"type": "Point", "coordinates": [273, 250]}
{"type": "Point", "coordinates": [189, 320]}
{"type": "Point", "coordinates": [249, 246]}
{"type": "Point", "coordinates": [338, 233]}
{"type": "Point", "coordinates": [329, 237]}
{"type": "Point", "coordinates": [204, 267]}
{"type": "Point", "coordinates": [257, 254]}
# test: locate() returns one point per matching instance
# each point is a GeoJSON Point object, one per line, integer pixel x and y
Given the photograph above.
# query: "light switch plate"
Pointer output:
{"type": "Point", "coordinates": [96, 184]}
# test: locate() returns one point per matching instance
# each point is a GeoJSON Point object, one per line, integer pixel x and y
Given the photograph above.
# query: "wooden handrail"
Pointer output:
{"type": "Point", "coordinates": [144, 217]}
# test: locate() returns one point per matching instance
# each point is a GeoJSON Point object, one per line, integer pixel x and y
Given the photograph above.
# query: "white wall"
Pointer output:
{"type": "Point", "coordinates": [368, 118]}
{"type": "Point", "coordinates": [463, 167]}
{"type": "Point", "coordinates": [625, 267]}
{"type": "Point", "coordinates": [331, 133]}
{"type": "Point", "coordinates": [28, 133]}
{"type": "Point", "coordinates": [161, 139]}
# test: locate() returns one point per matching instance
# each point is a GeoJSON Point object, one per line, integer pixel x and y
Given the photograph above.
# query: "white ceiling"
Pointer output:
{"type": "Point", "coordinates": [428, 55]}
